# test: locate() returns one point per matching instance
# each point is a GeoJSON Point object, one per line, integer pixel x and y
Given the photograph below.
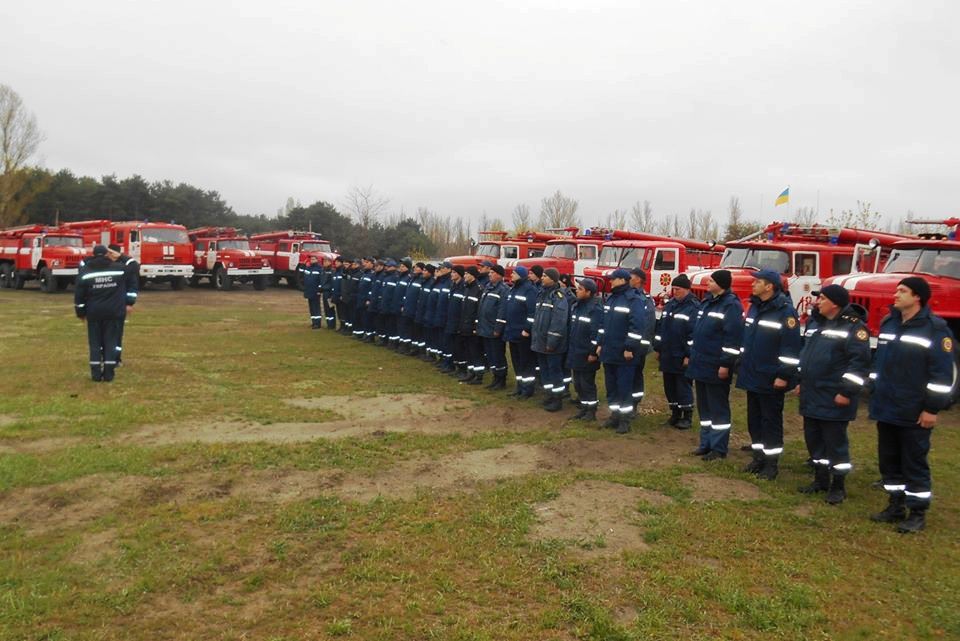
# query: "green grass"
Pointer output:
{"type": "Point", "coordinates": [173, 559]}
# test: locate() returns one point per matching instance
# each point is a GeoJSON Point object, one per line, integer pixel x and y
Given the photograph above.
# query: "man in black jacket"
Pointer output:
{"type": "Point", "coordinates": [100, 299]}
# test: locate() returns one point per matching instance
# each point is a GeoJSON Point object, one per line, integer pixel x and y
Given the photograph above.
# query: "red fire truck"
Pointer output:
{"type": "Point", "coordinates": [571, 253]}
{"type": "Point", "coordinates": [803, 254]}
{"type": "Point", "coordinates": [662, 258]}
{"type": "Point", "coordinates": [934, 256]}
{"type": "Point", "coordinates": [224, 256]}
{"type": "Point", "coordinates": [502, 249]}
{"type": "Point", "coordinates": [162, 249]}
{"type": "Point", "coordinates": [49, 255]}
{"type": "Point", "coordinates": [289, 250]}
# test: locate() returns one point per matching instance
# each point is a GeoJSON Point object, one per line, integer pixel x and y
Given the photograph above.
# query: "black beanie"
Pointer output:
{"type": "Point", "coordinates": [681, 281]}
{"type": "Point", "coordinates": [432, 269]}
{"type": "Point", "coordinates": [552, 273]}
{"type": "Point", "coordinates": [919, 287]}
{"type": "Point", "coordinates": [722, 278]}
{"type": "Point", "coordinates": [498, 269]}
{"type": "Point", "coordinates": [473, 271]}
{"type": "Point", "coordinates": [538, 270]}
{"type": "Point", "coordinates": [836, 294]}
{"type": "Point", "coordinates": [459, 269]}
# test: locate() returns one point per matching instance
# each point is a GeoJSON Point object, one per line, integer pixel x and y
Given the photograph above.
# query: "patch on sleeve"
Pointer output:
{"type": "Point", "coordinates": [862, 334]}
{"type": "Point", "coordinates": [947, 344]}
{"type": "Point", "coordinates": [791, 322]}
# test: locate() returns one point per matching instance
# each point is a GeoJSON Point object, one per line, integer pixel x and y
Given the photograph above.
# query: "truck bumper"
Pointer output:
{"type": "Point", "coordinates": [166, 271]}
{"type": "Point", "coordinates": [66, 271]}
{"type": "Point", "coordinates": [236, 271]}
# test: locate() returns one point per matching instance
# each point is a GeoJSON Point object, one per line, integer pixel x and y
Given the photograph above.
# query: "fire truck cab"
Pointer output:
{"type": "Point", "coordinates": [571, 253]}
{"type": "Point", "coordinates": [37, 252]}
{"type": "Point", "coordinates": [224, 256]}
{"type": "Point", "coordinates": [161, 249]}
{"type": "Point", "coordinates": [662, 258]}
{"type": "Point", "coordinates": [288, 251]}
{"type": "Point", "coordinates": [502, 249]}
{"type": "Point", "coordinates": [933, 256]}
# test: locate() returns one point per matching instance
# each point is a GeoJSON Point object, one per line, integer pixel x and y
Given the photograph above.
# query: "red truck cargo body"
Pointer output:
{"type": "Point", "coordinates": [38, 252]}
{"type": "Point", "coordinates": [224, 256]}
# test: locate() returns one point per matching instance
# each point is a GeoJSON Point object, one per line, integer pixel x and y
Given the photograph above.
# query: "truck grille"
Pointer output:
{"type": "Point", "coordinates": [251, 262]}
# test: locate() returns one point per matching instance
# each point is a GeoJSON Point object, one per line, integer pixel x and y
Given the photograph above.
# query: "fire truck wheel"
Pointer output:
{"type": "Point", "coordinates": [48, 282]}
{"type": "Point", "coordinates": [194, 281]}
{"type": "Point", "coordinates": [6, 276]}
{"type": "Point", "coordinates": [295, 282]}
{"type": "Point", "coordinates": [62, 284]}
{"type": "Point", "coordinates": [18, 280]}
{"type": "Point", "coordinates": [221, 280]}
{"type": "Point", "coordinates": [259, 283]}
{"type": "Point", "coordinates": [178, 283]}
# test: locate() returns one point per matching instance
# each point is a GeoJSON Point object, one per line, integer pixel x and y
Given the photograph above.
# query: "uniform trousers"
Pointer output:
{"type": "Point", "coordinates": [902, 452]}
{"type": "Point", "coordinates": [713, 406]}
{"type": "Point", "coordinates": [496, 352]}
{"type": "Point", "coordinates": [551, 373]}
{"type": "Point", "coordinates": [523, 361]}
{"type": "Point", "coordinates": [313, 304]}
{"type": "Point", "coordinates": [585, 383]}
{"type": "Point", "coordinates": [679, 391]}
{"type": "Point", "coordinates": [102, 338]}
{"type": "Point", "coordinates": [638, 384]}
{"type": "Point", "coordinates": [618, 380]}
{"type": "Point", "coordinates": [765, 422]}
{"type": "Point", "coordinates": [827, 444]}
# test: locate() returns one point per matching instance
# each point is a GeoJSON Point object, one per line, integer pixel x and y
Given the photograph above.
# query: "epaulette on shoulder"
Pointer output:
{"type": "Point", "coordinates": [559, 294]}
{"type": "Point", "coordinates": [853, 319]}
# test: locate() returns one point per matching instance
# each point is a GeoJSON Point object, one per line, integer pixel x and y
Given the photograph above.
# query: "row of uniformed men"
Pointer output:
{"type": "Point", "coordinates": [106, 289]}
{"type": "Point", "coordinates": [463, 318]}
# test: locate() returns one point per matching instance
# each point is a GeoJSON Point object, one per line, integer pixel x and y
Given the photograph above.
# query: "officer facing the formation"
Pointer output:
{"type": "Point", "coordinates": [312, 274]}
{"type": "Point", "coordinates": [131, 275]}
{"type": "Point", "coordinates": [548, 338]}
{"type": "Point", "coordinates": [834, 366]}
{"type": "Point", "coordinates": [768, 368]}
{"type": "Point", "coordinates": [714, 351]}
{"type": "Point", "coordinates": [620, 343]}
{"type": "Point", "coordinates": [912, 381]}
{"type": "Point", "coordinates": [100, 298]}
{"type": "Point", "coordinates": [490, 326]}
{"type": "Point", "coordinates": [672, 342]}
{"type": "Point", "coordinates": [586, 319]}
{"type": "Point", "coordinates": [518, 323]}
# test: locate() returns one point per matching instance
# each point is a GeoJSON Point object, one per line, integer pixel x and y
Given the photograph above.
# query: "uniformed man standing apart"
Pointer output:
{"type": "Point", "coordinates": [620, 342]}
{"type": "Point", "coordinates": [912, 380]}
{"type": "Point", "coordinates": [491, 322]}
{"type": "Point", "coordinates": [586, 319]}
{"type": "Point", "coordinates": [672, 343]}
{"type": "Point", "coordinates": [834, 365]}
{"type": "Point", "coordinates": [548, 339]}
{"type": "Point", "coordinates": [518, 323]}
{"type": "Point", "coordinates": [768, 368]}
{"type": "Point", "coordinates": [312, 274]}
{"type": "Point", "coordinates": [714, 351]}
{"type": "Point", "coordinates": [100, 299]}
{"type": "Point", "coordinates": [131, 276]}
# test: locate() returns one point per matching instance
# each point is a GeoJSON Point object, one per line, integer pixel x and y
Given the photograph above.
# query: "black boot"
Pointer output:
{"type": "Point", "coordinates": [477, 378]}
{"type": "Point", "coordinates": [613, 421]}
{"type": "Point", "coordinates": [553, 403]}
{"type": "Point", "coordinates": [895, 511]}
{"type": "Point", "coordinates": [770, 469]}
{"type": "Point", "coordinates": [755, 464]}
{"type": "Point", "coordinates": [96, 373]}
{"type": "Point", "coordinates": [108, 371]}
{"type": "Point", "coordinates": [821, 481]}
{"type": "Point", "coordinates": [590, 413]}
{"type": "Point", "coordinates": [623, 425]}
{"type": "Point", "coordinates": [499, 382]}
{"type": "Point", "coordinates": [914, 523]}
{"type": "Point", "coordinates": [837, 492]}
{"type": "Point", "coordinates": [685, 422]}
{"type": "Point", "coordinates": [674, 416]}
{"type": "Point", "coordinates": [464, 374]}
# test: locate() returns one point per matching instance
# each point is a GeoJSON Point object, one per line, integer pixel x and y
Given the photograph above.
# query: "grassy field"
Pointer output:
{"type": "Point", "coordinates": [248, 478]}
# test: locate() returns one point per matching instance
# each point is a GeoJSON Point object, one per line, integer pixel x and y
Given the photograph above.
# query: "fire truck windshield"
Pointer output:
{"type": "Point", "coordinates": [609, 256]}
{"type": "Point", "coordinates": [233, 244]}
{"type": "Point", "coordinates": [757, 258]}
{"type": "Point", "coordinates": [488, 249]}
{"type": "Point", "coordinates": [924, 260]}
{"type": "Point", "coordinates": [561, 250]}
{"type": "Point", "coordinates": [315, 247]}
{"type": "Point", "coordinates": [63, 241]}
{"type": "Point", "coordinates": [161, 235]}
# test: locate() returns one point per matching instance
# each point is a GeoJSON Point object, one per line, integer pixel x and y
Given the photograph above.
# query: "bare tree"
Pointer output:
{"type": "Point", "coordinates": [497, 224]}
{"type": "Point", "coordinates": [558, 211]}
{"type": "Point", "coordinates": [641, 215]}
{"type": "Point", "coordinates": [863, 217]}
{"type": "Point", "coordinates": [701, 225]}
{"type": "Point", "coordinates": [805, 216]}
{"type": "Point", "coordinates": [365, 205]}
{"type": "Point", "coordinates": [20, 137]}
{"type": "Point", "coordinates": [737, 227]}
{"type": "Point", "coordinates": [617, 219]}
{"type": "Point", "coordinates": [522, 220]}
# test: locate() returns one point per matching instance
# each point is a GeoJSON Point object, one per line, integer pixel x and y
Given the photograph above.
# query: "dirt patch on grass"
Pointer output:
{"type": "Point", "coordinates": [11, 446]}
{"type": "Point", "coordinates": [707, 487]}
{"type": "Point", "coordinates": [363, 416]}
{"type": "Point", "coordinates": [95, 546]}
{"type": "Point", "coordinates": [601, 518]}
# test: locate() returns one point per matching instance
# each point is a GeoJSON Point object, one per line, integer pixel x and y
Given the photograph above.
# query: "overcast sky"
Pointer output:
{"type": "Point", "coordinates": [466, 107]}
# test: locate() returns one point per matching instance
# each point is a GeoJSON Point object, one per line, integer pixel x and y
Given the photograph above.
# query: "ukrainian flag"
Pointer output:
{"type": "Point", "coordinates": [783, 198]}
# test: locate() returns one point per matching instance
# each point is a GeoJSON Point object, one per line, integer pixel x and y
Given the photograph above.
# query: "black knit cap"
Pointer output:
{"type": "Point", "coordinates": [430, 268]}
{"type": "Point", "coordinates": [723, 278]}
{"type": "Point", "coordinates": [498, 269]}
{"type": "Point", "coordinates": [472, 270]}
{"type": "Point", "coordinates": [459, 269]}
{"type": "Point", "coordinates": [681, 281]}
{"type": "Point", "coordinates": [639, 273]}
{"type": "Point", "coordinates": [919, 286]}
{"type": "Point", "coordinates": [114, 248]}
{"type": "Point", "coordinates": [836, 294]}
{"type": "Point", "coordinates": [552, 274]}
{"type": "Point", "coordinates": [538, 270]}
